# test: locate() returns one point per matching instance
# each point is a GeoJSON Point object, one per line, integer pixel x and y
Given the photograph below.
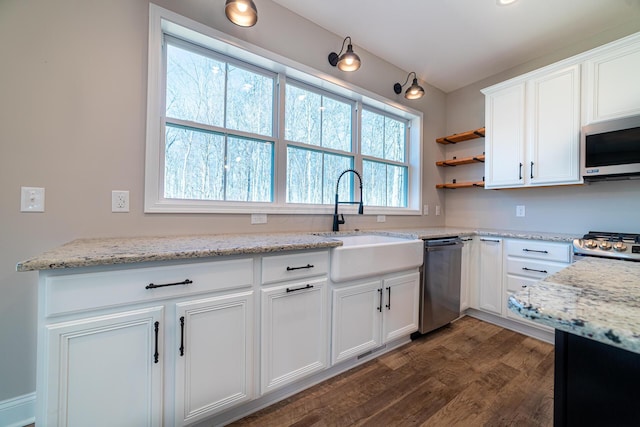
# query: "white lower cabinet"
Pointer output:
{"type": "Point", "coordinates": [370, 312]}
{"type": "Point", "coordinates": [124, 358]}
{"type": "Point", "coordinates": [104, 370]}
{"type": "Point", "coordinates": [527, 262]}
{"type": "Point", "coordinates": [490, 275]}
{"type": "Point", "coordinates": [468, 272]}
{"type": "Point", "coordinates": [294, 332]}
{"type": "Point", "coordinates": [214, 355]}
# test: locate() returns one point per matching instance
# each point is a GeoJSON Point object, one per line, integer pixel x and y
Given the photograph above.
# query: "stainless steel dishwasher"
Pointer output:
{"type": "Point", "coordinates": [440, 285]}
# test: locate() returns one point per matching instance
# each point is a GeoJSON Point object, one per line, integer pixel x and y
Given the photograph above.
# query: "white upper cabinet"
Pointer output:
{"type": "Point", "coordinates": [611, 84]}
{"type": "Point", "coordinates": [505, 136]}
{"type": "Point", "coordinates": [553, 115]}
{"type": "Point", "coordinates": [533, 130]}
{"type": "Point", "coordinates": [533, 121]}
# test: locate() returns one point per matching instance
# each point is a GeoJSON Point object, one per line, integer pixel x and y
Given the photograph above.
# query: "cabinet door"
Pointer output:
{"type": "Point", "coordinates": [490, 275]}
{"type": "Point", "coordinates": [505, 137]}
{"type": "Point", "coordinates": [105, 371]}
{"type": "Point", "coordinates": [213, 355]}
{"type": "Point", "coordinates": [612, 83]}
{"type": "Point", "coordinates": [295, 325]}
{"type": "Point", "coordinates": [401, 299]}
{"type": "Point", "coordinates": [467, 273]}
{"type": "Point", "coordinates": [553, 107]}
{"type": "Point", "coordinates": [357, 313]}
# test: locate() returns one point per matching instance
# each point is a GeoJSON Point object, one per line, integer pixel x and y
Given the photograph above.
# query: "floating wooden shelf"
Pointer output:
{"type": "Point", "coordinates": [463, 161]}
{"type": "Point", "coordinates": [461, 185]}
{"type": "Point", "coordinates": [459, 137]}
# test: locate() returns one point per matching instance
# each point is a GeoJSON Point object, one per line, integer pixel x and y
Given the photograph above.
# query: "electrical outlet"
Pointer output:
{"type": "Point", "coordinates": [425, 210]}
{"type": "Point", "coordinates": [119, 201]}
{"type": "Point", "coordinates": [32, 199]}
{"type": "Point", "coordinates": [382, 218]}
{"type": "Point", "coordinates": [520, 210]}
{"type": "Point", "coordinates": [438, 210]}
{"type": "Point", "coordinates": [258, 218]}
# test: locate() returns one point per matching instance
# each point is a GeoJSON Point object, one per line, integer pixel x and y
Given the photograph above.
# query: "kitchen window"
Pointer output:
{"type": "Point", "coordinates": [229, 130]}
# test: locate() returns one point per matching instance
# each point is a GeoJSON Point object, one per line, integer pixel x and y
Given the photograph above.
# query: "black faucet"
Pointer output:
{"type": "Point", "coordinates": [337, 221]}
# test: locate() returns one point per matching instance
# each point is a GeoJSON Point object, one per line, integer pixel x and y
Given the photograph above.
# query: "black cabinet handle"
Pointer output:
{"type": "Point", "coordinates": [181, 335]}
{"type": "Point", "coordinates": [299, 268]}
{"type": "Point", "coordinates": [531, 170]}
{"type": "Point", "coordinates": [184, 282]}
{"type": "Point", "coordinates": [520, 172]}
{"type": "Point", "coordinates": [533, 269]}
{"type": "Point", "coordinates": [156, 327]}
{"type": "Point", "coordinates": [490, 240]}
{"type": "Point", "coordinates": [389, 298]}
{"type": "Point", "coordinates": [299, 289]}
{"type": "Point", "coordinates": [533, 250]}
{"type": "Point", "coordinates": [380, 303]}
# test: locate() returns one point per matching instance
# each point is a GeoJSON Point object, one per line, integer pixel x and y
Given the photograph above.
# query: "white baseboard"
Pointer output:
{"type": "Point", "coordinates": [19, 411]}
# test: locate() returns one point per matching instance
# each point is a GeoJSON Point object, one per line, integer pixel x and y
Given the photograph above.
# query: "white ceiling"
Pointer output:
{"type": "Point", "coordinates": [452, 43]}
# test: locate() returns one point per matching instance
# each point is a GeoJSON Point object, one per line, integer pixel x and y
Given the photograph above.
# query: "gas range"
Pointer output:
{"type": "Point", "coordinates": [624, 246]}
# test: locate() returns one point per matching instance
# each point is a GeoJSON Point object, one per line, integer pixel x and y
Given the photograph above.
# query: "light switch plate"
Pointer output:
{"type": "Point", "coordinates": [382, 218]}
{"type": "Point", "coordinates": [32, 199]}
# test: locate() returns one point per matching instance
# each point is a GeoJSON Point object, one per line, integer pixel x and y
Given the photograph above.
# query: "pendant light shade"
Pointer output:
{"type": "Point", "coordinates": [349, 61]}
{"type": "Point", "coordinates": [415, 91]}
{"type": "Point", "coordinates": [241, 12]}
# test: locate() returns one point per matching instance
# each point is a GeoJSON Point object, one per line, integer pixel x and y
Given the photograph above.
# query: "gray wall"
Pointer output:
{"type": "Point", "coordinates": [72, 119]}
{"type": "Point", "coordinates": [606, 206]}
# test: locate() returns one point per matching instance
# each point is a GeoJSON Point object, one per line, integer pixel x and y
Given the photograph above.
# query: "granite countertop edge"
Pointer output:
{"type": "Point", "coordinates": [87, 252]}
{"type": "Point", "coordinates": [594, 298]}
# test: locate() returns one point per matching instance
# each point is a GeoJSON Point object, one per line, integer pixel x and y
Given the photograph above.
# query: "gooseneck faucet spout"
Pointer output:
{"type": "Point", "coordinates": [340, 220]}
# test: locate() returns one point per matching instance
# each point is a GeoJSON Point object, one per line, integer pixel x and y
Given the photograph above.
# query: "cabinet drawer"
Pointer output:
{"type": "Point", "coordinates": [86, 291]}
{"type": "Point", "coordinates": [536, 249]}
{"type": "Point", "coordinates": [518, 283]}
{"type": "Point", "coordinates": [278, 268]}
{"type": "Point", "coordinates": [532, 268]}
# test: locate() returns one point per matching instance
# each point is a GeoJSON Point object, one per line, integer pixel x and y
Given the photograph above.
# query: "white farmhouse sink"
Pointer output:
{"type": "Point", "coordinates": [371, 255]}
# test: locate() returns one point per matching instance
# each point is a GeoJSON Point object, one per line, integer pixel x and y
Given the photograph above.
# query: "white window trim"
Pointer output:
{"type": "Point", "coordinates": [162, 20]}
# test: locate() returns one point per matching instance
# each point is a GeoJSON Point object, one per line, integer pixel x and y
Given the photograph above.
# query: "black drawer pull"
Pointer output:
{"type": "Point", "coordinates": [299, 289]}
{"type": "Point", "coordinates": [181, 336]}
{"type": "Point", "coordinates": [184, 282]}
{"type": "Point", "coordinates": [156, 327]}
{"type": "Point", "coordinates": [299, 268]}
{"type": "Point", "coordinates": [490, 240]}
{"type": "Point", "coordinates": [533, 250]}
{"type": "Point", "coordinates": [533, 269]}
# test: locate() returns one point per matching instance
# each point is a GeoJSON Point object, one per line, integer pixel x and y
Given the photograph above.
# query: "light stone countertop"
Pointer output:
{"type": "Point", "coordinates": [595, 298]}
{"type": "Point", "coordinates": [114, 250]}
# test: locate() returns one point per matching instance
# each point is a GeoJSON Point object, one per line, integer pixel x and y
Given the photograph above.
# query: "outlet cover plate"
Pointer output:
{"type": "Point", "coordinates": [520, 210]}
{"type": "Point", "coordinates": [258, 218]}
{"type": "Point", "coordinates": [120, 201]}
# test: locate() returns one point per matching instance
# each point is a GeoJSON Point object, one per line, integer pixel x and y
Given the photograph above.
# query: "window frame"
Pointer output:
{"type": "Point", "coordinates": [248, 56]}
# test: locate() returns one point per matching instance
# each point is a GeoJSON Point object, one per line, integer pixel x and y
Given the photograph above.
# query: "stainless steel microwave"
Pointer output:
{"type": "Point", "coordinates": [611, 150]}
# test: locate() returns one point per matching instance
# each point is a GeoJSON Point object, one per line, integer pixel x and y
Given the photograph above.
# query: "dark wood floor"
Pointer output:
{"type": "Point", "coordinates": [470, 373]}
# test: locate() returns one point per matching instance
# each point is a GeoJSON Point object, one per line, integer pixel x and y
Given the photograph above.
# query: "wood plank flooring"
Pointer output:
{"type": "Point", "coordinates": [470, 373]}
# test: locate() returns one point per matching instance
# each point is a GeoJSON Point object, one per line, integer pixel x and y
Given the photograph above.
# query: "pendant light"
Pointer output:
{"type": "Point", "coordinates": [415, 91]}
{"type": "Point", "coordinates": [349, 61]}
{"type": "Point", "coordinates": [241, 12]}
